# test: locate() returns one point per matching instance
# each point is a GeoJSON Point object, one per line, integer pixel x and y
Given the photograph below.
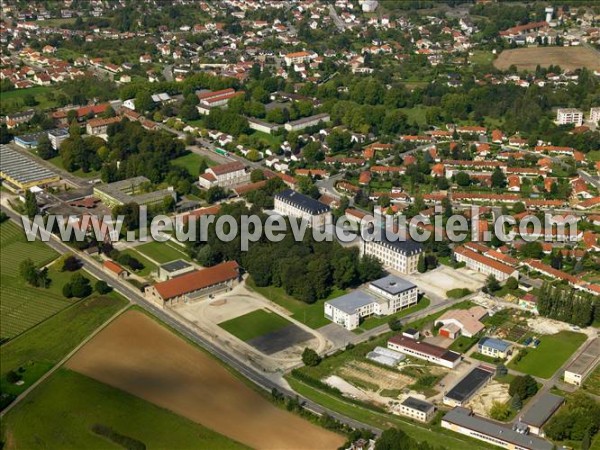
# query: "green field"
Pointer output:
{"type": "Point", "coordinates": [463, 343]}
{"type": "Point", "coordinates": [45, 345]}
{"type": "Point", "coordinates": [63, 410]}
{"type": "Point", "coordinates": [163, 252]}
{"type": "Point", "coordinates": [311, 315]}
{"type": "Point", "coordinates": [254, 324]}
{"type": "Point", "coordinates": [550, 355]}
{"type": "Point", "coordinates": [482, 58]}
{"type": "Point", "coordinates": [24, 306]}
{"type": "Point", "coordinates": [12, 101]}
{"type": "Point", "coordinates": [191, 162]}
{"type": "Point", "coordinates": [592, 382]}
{"type": "Point", "coordinates": [149, 266]}
{"type": "Point", "coordinates": [57, 161]}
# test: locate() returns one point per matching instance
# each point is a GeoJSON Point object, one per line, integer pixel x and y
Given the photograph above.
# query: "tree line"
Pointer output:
{"type": "Point", "coordinates": [567, 305]}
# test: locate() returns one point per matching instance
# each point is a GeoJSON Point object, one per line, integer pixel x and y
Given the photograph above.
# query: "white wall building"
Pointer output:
{"type": "Point", "coordinates": [566, 116]}
{"type": "Point", "coordinates": [595, 115]}
{"type": "Point", "coordinates": [225, 175]}
{"type": "Point", "coordinates": [401, 256]}
{"type": "Point", "coordinates": [416, 409]}
{"type": "Point", "coordinates": [294, 204]}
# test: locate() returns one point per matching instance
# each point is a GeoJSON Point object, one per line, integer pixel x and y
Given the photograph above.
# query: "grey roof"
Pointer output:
{"type": "Point", "coordinates": [461, 417]}
{"type": "Point", "coordinates": [470, 384]}
{"type": "Point", "coordinates": [21, 167]}
{"type": "Point", "coordinates": [302, 202]}
{"type": "Point", "coordinates": [315, 118]}
{"type": "Point", "coordinates": [494, 343]}
{"type": "Point", "coordinates": [393, 285]}
{"type": "Point", "coordinates": [31, 138]}
{"type": "Point", "coordinates": [419, 405]}
{"type": "Point", "coordinates": [542, 410]}
{"type": "Point", "coordinates": [350, 302]}
{"type": "Point", "coordinates": [59, 132]}
{"type": "Point", "coordinates": [173, 266]}
{"type": "Point", "coordinates": [124, 191]}
{"type": "Point", "coordinates": [404, 246]}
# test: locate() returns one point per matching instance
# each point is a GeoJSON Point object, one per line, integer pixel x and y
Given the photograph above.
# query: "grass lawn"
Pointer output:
{"type": "Point", "coordinates": [149, 266]}
{"type": "Point", "coordinates": [482, 58]}
{"type": "Point", "coordinates": [458, 293]}
{"type": "Point", "coordinates": [163, 252]}
{"type": "Point", "coordinates": [311, 315]}
{"type": "Point", "coordinates": [63, 410]}
{"type": "Point", "coordinates": [57, 161]}
{"type": "Point", "coordinates": [254, 324]}
{"type": "Point", "coordinates": [463, 343]}
{"type": "Point", "coordinates": [373, 322]}
{"type": "Point", "coordinates": [416, 114]}
{"type": "Point", "coordinates": [485, 358]}
{"type": "Point", "coordinates": [191, 162]}
{"type": "Point", "coordinates": [440, 437]}
{"type": "Point", "coordinates": [552, 353]}
{"type": "Point", "coordinates": [12, 101]}
{"type": "Point", "coordinates": [43, 346]}
{"type": "Point", "coordinates": [269, 139]}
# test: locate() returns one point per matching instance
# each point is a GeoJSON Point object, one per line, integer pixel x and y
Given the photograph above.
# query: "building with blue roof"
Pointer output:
{"type": "Point", "coordinates": [496, 348]}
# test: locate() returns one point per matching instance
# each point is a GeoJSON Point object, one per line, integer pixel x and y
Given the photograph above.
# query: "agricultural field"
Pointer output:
{"type": "Point", "coordinates": [163, 252]}
{"type": "Point", "coordinates": [24, 306]}
{"type": "Point", "coordinates": [35, 352]}
{"type": "Point", "coordinates": [568, 58]}
{"type": "Point", "coordinates": [191, 162]}
{"type": "Point", "coordinates": [157, 366]}
{"type": "Point", "coordinates": [58, 415]}
{"type": "Point", "coordinates": [551, 354]}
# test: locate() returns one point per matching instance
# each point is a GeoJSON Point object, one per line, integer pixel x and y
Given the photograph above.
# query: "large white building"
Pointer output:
{"type": "Point", "coordinates": [566, 116]}
{"type": "Point", "coordinates": [306, 122]}
{"type": "Point", "coordinates": [225, 175]}
{"type": "Point", "coordinates": [298, 58]}
{"type": "Point", "coordinates": [392, 294]}
{"type": "Point", "coordinates": [595, 114]}
{"type": "Point", "coordinates": [294, 204]}
{"type": "Point", "coordinates": [424, 350]}
{"type": "Point", "coordinates": [401, 256]}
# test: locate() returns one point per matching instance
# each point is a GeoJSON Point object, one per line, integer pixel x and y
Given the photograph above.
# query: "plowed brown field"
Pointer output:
{"type": "Point", "coordinates": [569, 58]}
{"type": "Point", "coordinates": [141, 357]}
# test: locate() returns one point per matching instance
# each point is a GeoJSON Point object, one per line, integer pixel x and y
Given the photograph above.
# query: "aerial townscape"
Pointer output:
{"type": "Point", "coordinates": [300, 224]}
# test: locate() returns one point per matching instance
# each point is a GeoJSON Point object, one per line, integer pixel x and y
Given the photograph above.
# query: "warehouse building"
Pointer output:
{"type": "Point", "coordinates": [468, 386]}
{"type": "Point", "coordinates": [416, 409]}
{"type": "Point", "coordinates": [423, 350]}
{"type": "Point", "coordinates": [538, 414]}
{"type": "Point", "coordinates": [463, 421]}
{"type": "Point", "coordinates": [131, 190]}
{"type": "Point", "coordinates": [19, 172]}
{"type": "Point", "coordinates": [174, 269]}
{"type": "Point", "coordinates": [581, 367]}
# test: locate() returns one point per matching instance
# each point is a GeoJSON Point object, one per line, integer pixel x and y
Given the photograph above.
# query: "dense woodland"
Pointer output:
{"type": "Point", "coordinates": [307, 270]}
{"type": "Point", "coordinates": [567, 305]}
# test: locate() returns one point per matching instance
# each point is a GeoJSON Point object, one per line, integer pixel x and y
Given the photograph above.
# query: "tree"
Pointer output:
{"type": "Point", "coordinates": [395, 324]}
{"type": "Point", "coordinates": [257, 175]}
{"type": "Point", "coordinates": [143, 101]}
{"type": "Point", "coordinates": [102, 287]}
{"type": "Point", "coordinates": [80, 286]}
{"type": "Point", "coordinates": [67, 291]}
{"type": "Point", "coordinates": [29, 100]}
{"type": "Point", "coordinates": [519, 207]}
{"type": "Point", "coordinates": [499, 411]}
{"type": "Point", "coordinates": [492, 284]}
{"type": "Point", "coordinates": [512, 283]}
{"type": "Point", "coordinates": [31, 206]}
{"type": "Point", "coordinates": [462, 179]}
{"type": "Point", "coordinates": [45, 149]}
{"type": "Point", "coordinates": [523, 386]}
{"type": "Point", "coordinates": [310, 357]}
{"type": "Point", "coordinates": [498, 178]}
{"type": "Point", "coordinates": [516, 403]}
{"type": "Point", "coordinates": [421, 267]}
{"type": "Point", "coordinates": [28, 271]}
{"type": "Point", "coordinates": [69, 263]}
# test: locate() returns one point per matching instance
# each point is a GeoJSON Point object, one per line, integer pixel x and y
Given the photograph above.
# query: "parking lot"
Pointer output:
{"type": "Point", "coordinates": [437, 282]}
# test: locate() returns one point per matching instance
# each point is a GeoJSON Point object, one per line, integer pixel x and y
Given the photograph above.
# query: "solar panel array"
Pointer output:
{"type": "Point", "coordinates": [21, 168]}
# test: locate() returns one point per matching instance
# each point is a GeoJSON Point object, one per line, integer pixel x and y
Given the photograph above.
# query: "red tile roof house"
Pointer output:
{"type": "Point", "coordinates": [484, 264]}
{"type": "Point", "coordinates": [465, 322]}
{"type": "Point", "coordinates": [194, 285]}
{"type": "Point", "coordinates": [115, 269]}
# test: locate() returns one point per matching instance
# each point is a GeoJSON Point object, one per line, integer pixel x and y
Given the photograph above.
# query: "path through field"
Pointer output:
{"type": "Point", "coordinates": [139, 356]}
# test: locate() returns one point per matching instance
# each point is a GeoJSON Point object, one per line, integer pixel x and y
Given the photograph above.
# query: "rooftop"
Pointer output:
{"type": "Point", "coordinates": [302, 202]}
{"type": "Point", "coordinates": [424, 347]}
{"type": "Point", "coordinates": [463, 418]}
{"type": "Point", "coordinates": [22, 168]}
{"type": "Point", "coordinates": [417, 404]}
{"type": "Point", "coordinates": [393, 285]}
{"type": "Point", "coordinates": [472, 382]}
{"type": "Point", "coordinates": [494, 343]}
{"type": "Point", "coordinates": [174, 266]}
{"type": "Point", "coordinates": [542, 410]}
{"type": "Point", "coordinates": [349, 303]}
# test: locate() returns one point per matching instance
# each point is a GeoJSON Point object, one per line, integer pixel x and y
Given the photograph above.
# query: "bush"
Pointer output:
{"type": "Point", "coordinates": [523, 386]}
{"type": "Point", "coordinates": [13, 377]}
{"type": "Point", "coordinates": [310, 357]}
{"type": "Point", "coordinates": [119, 439]}
{"type": "Point", "coordinates": [102, 287]}
{"type": "Point", "coordinates": [500, 411]}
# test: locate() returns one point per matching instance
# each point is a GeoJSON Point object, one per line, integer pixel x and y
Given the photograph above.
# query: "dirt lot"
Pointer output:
{"type": "Point", "coordinates": [141, 357]}
{"type": "Point", "coordinates": [491, 392]}
{"type": "Point", "coordinates": [435, 283]}
{"type": "Point", "coordinates": [569, 58]}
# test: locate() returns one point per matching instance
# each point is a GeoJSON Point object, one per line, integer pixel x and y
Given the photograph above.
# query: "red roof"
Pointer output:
{"type": "Point", "coordinates": [197, 280]}
{"type": "Point", "coordinates": [484, 260]}
{"type": "Point", "coordinates": [113, 267]}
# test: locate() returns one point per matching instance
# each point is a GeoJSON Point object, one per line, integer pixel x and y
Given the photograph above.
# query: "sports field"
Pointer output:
{"type": "Point", "coordinates": [141, 357]}
{"type": "Point", "coordinates": [551, 354]}
{"type": "Point", "coordinates": [22, 305]}
{"type": "Point", "coordinates": [62, 412]}
{"type": "Point", "coordinates": [569, 58]}
{"type": "Point", "coordinates": [254, 324]}
{"type": "Point", "coordinates": [163, 252]}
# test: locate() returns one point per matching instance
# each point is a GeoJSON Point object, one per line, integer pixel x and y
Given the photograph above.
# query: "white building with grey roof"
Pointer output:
{"type": "Point", "coordinates": [294, 204]}
{"type": "Point", "coordinates": [383, 297]}
{"type": "Point", "coordinates": [399, 255]}
{"type": "Point", "coordinates": [20, 172]}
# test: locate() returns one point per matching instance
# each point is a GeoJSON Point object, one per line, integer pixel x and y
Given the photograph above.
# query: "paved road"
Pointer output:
{"type": "Point", "coordinates": [595, 181]}
{"type": "Point", "coordinates": [135, 297]}
{"type": "Point", "coordinates": [336, 19]}
{"type": "Point", "coordinates": [168, 72]}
